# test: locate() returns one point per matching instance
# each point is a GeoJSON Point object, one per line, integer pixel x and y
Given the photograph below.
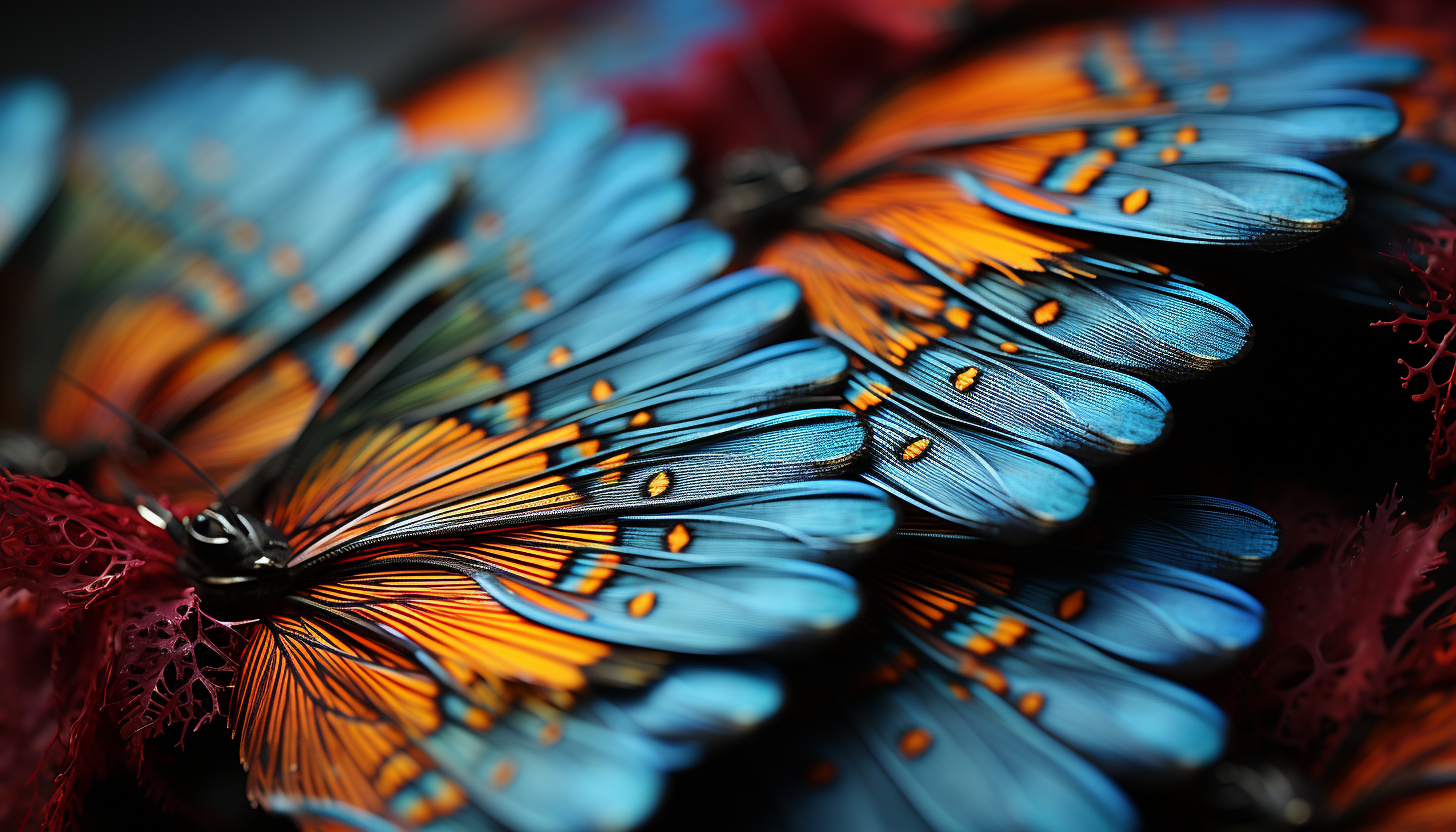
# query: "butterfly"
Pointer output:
{"type": "Point", "coordinates": [1000, 688]}
{"type": "Point", "coordinates": [560, 457]}
{"type": "Point", "coordinates": [209, 268]}
{"type": "Point", "coordinates": [946, 241]}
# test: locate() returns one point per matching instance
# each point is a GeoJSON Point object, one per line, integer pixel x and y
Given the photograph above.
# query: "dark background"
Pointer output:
{"type": "Point", "coordinates": [1316, 408]}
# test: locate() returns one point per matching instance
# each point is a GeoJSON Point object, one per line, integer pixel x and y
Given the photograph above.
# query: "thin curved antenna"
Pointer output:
{"type": "Point", "coordinates": [151, 433]}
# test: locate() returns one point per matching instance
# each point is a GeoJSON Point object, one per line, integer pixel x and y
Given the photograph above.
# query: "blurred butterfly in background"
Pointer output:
{"type": "Point", "coordinates": [486, 531]}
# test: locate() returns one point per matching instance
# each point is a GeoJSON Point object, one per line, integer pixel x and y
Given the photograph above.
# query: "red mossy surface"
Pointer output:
{"type": "Point", "coordinates": [1434, 373]}
{"type": "Point", "coordinates": [104, 644]}
{"type": "Point", "coordinates": [1329, 656]}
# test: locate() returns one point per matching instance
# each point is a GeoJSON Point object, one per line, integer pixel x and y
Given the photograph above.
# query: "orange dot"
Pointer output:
{"type": "Point", "coordinates": [915, 742]}
{"type": "Point", "coordinates": [959, 691]}
{"type": "Point", "coordinates": [1169, 155]}
{"type": "Point", "coordinates": [639, 419]}
{"type": "Point", "coordinates": [1010, 348]}
{"type": "Point", "coordinates": [958, 316]}
{"type": "Point", "coordinates": [1031, 703]}
{"type": "Point", "coordinates": [488, 224]}
{"type": "Point", "coordinates": [1046, 313]}
{"type": "Point", "coordinates": [243, 235]}
{"type": "Point", "coordinates": [1187, 134]}
{"type": "Point", "coordinates": [589, 447]}
{"type": "Point", "coordinates": [503, 773]}
{"type": "Point", "coordinates": [1008, 631]}
{"type": "Point", "coordinates": [966, 378]}
{"type": "Point", "coordinates": [1219, 93]}
{"type": "Point", "coordinates": [1072, 604]}
{"type": "Point", "coordinates": [344, 354]}
{"type": "Point", "coordinates": [1419, 173]}
{"type": "Point", "coordinates": [478, 718]}
{"type": "Point", "coordinates": [550, 733]}
{"type": "Point", "coordinates": [657, 486]}
{"type": "Point", "coordinates": [980, 645]}
{"type": "Point", "coordinates": [285, 261]}
{"type": "Point", "coordinates": [601, 390]}
{"type": "Point", "coordinates": [993, 680]}
{"type": "Point", "coordinates": [678, 539]}
{"type": "Point", "coordinates": [642, 604]}
{"type": "Point", "coordinates": [821, 773]}
{"type": "Point", "coordinates": [302, 297]}
{"type": "Point", "coordinates": [1135, 201]}
{"type": "Point", "coordinates": [519, 341]}
{"type": "Point", "coordinates": [559, 355]}
{"type": "Point", "coordinates": [1125, 136]}
{"type": "Point", "coordinates": [535, 300]}
{"type": "Point", "coordinates": [915, 449]}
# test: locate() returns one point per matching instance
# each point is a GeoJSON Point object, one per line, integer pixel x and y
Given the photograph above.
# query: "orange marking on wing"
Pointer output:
{"type": "Point", "coordinates": [484, 106]}
{"type": "Point", "coordinates": [1072, 604]}
{"type": "Point", "coordinates": [1035, 200]}
{"type": "Point", "coordinates": [678, 539]}
{"type": "Point", "coordinates": [1031, 703]}
{"type": "Point", "coordinates": [639, 419]}
{"type": "Point", "coordinates": [1046, 313]}
{"type": "Point", "coordinates": [119, 354]}
{"type": "Point", "coordinates": [959, 316]}
{"type": "Point", "coordinates": [915, 449]}
{"type": "Point", "coordinates": [1089, 172]}
{"type": "Point", "coordinates": [1420, 172]}
{"type": "Point", "coordinates": [547, 601]}
{"type": "Point", "coordinates": [1187, 134]}
{"type": "Point", "coordinates": [1008, 347]}
{"type": "Point", "coordinates": [965, 378]}
{"type": "Point", "coordinates": [1135, 201]}
{"type": "Point", "coordinates": [1169, 155]}
{"type": "Point", "coordinates": [642, 604]}
{"type": "Point", "coordinates": [535, 300]}
{"type": "Point", "coordinates": [601, 390]}
{"type": "Point", "coordinates": [1218, 93]}
{"type": "Point", "coordinates": [915, 742]}
{"type": "Point", "coordinates": [659, 484]}
{"type": "Point", "coordinates": [559, 355]}
{"type": "Point", "coordinates": [1125, 137]}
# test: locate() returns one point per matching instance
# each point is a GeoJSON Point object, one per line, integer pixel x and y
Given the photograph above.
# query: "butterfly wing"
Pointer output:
{"type": "Point", "coordinates": [32, 120]}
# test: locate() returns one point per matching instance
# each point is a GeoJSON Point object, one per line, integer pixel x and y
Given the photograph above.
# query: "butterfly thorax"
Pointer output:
{"type": "Point", "coordinates": [760, 187]}
{"type": "Point", "coordinates": [238, 562]}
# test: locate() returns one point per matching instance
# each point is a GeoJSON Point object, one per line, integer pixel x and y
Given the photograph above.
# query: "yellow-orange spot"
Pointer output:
{"type": "Point", "coordinates": [519, 341]}
{"type": "Point", "coordinates": [601, 390]}
{"type": "Point", "coordinates": [589, 447]}
{"type": "Point", "coordinates": [1187, 134]}
{"type": "Point", "coordinates": [915, 449]}
{"type": "Point", "coordinates": [993, 680]}
{"type": "Point", "coordinates": [958, 316]}
{"type": "Point", "coordinates": [550, 733]}
{"type": "Point", "coordinates": [1089, 172]}
{"type": "Point", "coordinates": [1160, 269]}
{"type": "Point", "coordinates": [344, 354]}
{"type": "Point", "coordinates": [821, 773]}
{"type": "Point", "coordinates": [477, 718]}
{"type": "Point", "coordinates": [639, 419]}
{"type": "Point", "coordinates": [559, 355]}
{"type": "Point", "coordinates": [1010, 348]}
{"type": "Point", "coordinates": [502, 775]}
{"type": "Point", "coordinates": [534, 299]}
{"type": "Point", "coordinates": [980, 645]}
{"type": "Point", "coordinates": [544, 600]}
{"type": "Point", "coordinates": [1135, 201]}
{"type": "Point", "coordinates": [1031, 703]}
{"type": "Point", "coordinates": [302, 297]}
{"type": "Point", "coordinates": [959, 691]}
{"type": "Point", "coordinates": [395, 772]}
{"type": "Point", "coordinates": [914, 742]}
{"type": "Point", "coordinates": [642, 604]}
{"type": "Point", "coordinates": [1419, 173]}
{"type": "Point", "coordinates": [1125, 136]}
{"type": "Point", "coordinates": [678, 539]}
{"type": "Point", "coordinates": [1169, 155]}
{"type": "Point", "coordinates": [449, 798]}
{"type": "Point", "coordinates": [419, 813]}
{"type": "Point", "coordinates": [1071, 605]}
{"type": "Point", "coordinates": [285, 261]}
{"type": "Point", "coordinates": [657, 486]}
{"type": "Point", "coordinates": [1008, 631]}
{"type": "Point", "coordinates": [1218, 93]}
{"type": "Point", "coordinates": [965, 378]}
{"type": "Point", "coordinates": [1046, 313]}
{"type": "Point", "coordinates": [243, 235]}
{"type": "Point", "coordinates": [864, 400]}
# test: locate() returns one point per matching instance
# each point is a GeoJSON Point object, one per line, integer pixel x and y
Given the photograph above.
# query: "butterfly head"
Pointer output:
{"type": "Point", "coordinates": [237, 561]}
{"type": "Point", "coordinates": [759, 184]}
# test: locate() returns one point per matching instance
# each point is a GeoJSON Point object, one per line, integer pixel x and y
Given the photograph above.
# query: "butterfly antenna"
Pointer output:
{"type": "Point", "coordinates": [151, 433]}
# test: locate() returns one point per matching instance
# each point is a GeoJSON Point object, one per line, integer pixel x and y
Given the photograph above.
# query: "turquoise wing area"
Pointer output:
{"type": "Point", "coordinates": [32, 128]}
{"type": "Point", "coordinates": [994, 687]}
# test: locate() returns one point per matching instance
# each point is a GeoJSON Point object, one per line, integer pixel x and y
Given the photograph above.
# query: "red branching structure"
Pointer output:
{"type": "Point", "coordinates": [1329, 657]}
{"type": "Point", "coordinates": [1435, 320]}
{"type": "Point", "coordinates": [105, 645]}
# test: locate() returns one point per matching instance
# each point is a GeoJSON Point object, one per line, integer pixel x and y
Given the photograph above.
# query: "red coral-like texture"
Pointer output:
{"type": "Point", "coordinates": [1435, 321]}
{"type": "Point", "coordinates": [1327, 658]}
{"type": "Point", "coordinates": [103, 642]}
